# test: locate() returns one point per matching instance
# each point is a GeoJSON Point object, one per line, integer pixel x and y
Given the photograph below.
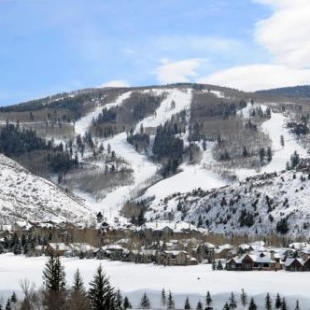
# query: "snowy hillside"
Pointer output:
{"type": "Point", "coordinates": [261, 205]}
{"type": "Point", "coordinates": [224, 137]}
{"type": "Point", "coordinates": [24, 196]}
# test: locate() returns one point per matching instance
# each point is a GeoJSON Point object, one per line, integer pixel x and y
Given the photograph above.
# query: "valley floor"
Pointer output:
{"type": "Point", "coordinates": [192, 281]}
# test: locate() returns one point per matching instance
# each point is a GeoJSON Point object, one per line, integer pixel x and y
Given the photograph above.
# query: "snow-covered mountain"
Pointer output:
{"type": "Point", "coordinates": [227, 137]}
{"type": "Point", "coordinates": [25, 197]}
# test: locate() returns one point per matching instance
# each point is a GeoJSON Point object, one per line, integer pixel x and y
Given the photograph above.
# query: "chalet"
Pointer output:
{"type": "Point", "coordinates": [224, 251]}
{"type": "Point", "coordinates": [307, 264]}
{"type": "Point", "coordinates": [255, 261]}
{"type": "Point", "coordinates": [81, 248]}
{"type": "Point", "coordinates": [294, 264]}
{"type": "Point", "coordinates": [113, 251]}
{"type": "Point", "coordinates": [56, 248]}
{"type": "Point", "coordinates": [173, 258]}
{"type": "Point", "coordinates": [205, 250]}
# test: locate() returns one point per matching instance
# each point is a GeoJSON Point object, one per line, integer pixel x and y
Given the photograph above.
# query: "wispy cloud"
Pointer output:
{"type": "Point", "coordinates": [179, 71]}
{"type": "Point", "coordinates": [286, 33]}
{"type": "Point", "coordinates": [115, 83]}
{"type": "Point", "coordinates": [259, 76]}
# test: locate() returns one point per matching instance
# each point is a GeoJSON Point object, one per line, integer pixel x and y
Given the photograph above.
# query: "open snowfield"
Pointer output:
{"type": "Point", "coordinates": [192, 281]}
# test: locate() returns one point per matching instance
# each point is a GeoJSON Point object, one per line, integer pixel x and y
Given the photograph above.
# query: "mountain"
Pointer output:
{"type": "Point", "coordinates": [168, 153]}
{"type": "Point", "coordinates": [26, 197]}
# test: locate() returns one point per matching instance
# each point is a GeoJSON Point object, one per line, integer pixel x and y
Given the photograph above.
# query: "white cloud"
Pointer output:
{"type": "Point", "coordinates": [286, 36]}
{"type": "Point", "coordinates": [176, 72]}
{"type": "Point", "coordinates": [115, 83]}
{"type": "Point", "coordinates": [255, 77]}
{"type": "Point", "coordinates": [286, 33]}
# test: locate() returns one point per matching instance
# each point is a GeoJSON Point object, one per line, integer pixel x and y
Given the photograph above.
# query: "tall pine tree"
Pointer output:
{"type": "Point", "coordinates": [101, 294]}
{"type": "Point", "coordinates": [78, 295]}
{"type": "Point", "coordinates": [145, 302]}
{"type": "Point", "coordinates": [54, 293]}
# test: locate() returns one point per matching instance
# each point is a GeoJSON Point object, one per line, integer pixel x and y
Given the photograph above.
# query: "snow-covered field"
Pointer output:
{"type": "Point", "coordinates": [192, 281]}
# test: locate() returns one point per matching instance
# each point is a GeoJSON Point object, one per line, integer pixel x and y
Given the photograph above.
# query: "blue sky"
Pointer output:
{"type": "Point", "coordinates": [51, 46]}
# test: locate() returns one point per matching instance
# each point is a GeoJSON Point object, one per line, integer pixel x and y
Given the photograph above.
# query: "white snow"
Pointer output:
{"type": "Point", "coordinates": [135, 279]}
{"type": "Point", "coordinates": [84, 123]}
{"type": "Point", "coordinates": [164, 113]}
{"type": "Point", "coordinates": [275, 128]}
{"type": "Point", "coordinates": [192, 177]}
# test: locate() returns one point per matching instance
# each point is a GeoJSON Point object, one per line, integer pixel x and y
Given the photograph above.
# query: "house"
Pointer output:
{"type": "Point", "coordinates": [58, 248]}
{"type": "Point", "coordinates": [258, 261]}
{"type": "Point", "coordinates": [113, 251]}
{"type": "Point", "coordinates": [294, 264]}
{"type": "Point", "coordinates": [173, 258]}
{"type": "Point", "coordinates": [206, 251]}
{"type": "Point", "coordinates": [81, 248]}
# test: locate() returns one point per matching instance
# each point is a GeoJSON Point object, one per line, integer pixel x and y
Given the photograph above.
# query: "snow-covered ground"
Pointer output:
{"type": "Point", "coordinates": [275, 128]}
{"type": "Point", "coordinates": [192, 281]}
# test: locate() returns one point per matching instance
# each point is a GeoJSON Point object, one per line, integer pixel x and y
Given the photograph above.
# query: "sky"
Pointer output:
{"type": "Point", "coordinates": [53, 46]}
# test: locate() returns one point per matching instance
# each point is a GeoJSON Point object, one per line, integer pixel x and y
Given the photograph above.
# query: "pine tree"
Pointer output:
{"type": "Point", "coordinates": [208, 299]}
{"type": "Point", "coordinates": [126, 303]}
{"type": "Point", "coordinates": [163, 297]}
{"type": "Point", "coordinates": [282, 140]}
{"type": "Point", "coordinates": [232, 301]}
{"type": "Point", "coordinates": [101, 294]}
{"type": "Point", "coordinates": [119, 300]}
{"type": "Point", "coordinates": [243, 298]}
{"type": "Point", "coordinates": [8, 305]}
{"type": "Point", "coordinates": [78, 295]}
{"type": "Point", "coordinates": [297, 305]}
{"type": "Point", "coordinates": [170, 301]}
{"type": "Point", "coordinates": [54, 294]}
{"type": "Point", "coordinates": [269, 154]}
{"type": "Point", "coordinates": [226, 306]}
{"type": "Point", "coordinates": [199, 305]}
{"type": "Point", "coordinates": [268, 302]}
{"type": "Point", "coordinates": [187, 305]}
{"type": "Point", "coordinates": [219, 265]}
{"type": "Point", "coordinates": [278, 302]}
{"type": "Point", "coordinates": [13, 298]}
{"type": "Point", "coordinates": [145, 302]}
{"type": "Point", "coordinates": [283, 306]}
{"type": "Point", "coordinates": [252, 305]}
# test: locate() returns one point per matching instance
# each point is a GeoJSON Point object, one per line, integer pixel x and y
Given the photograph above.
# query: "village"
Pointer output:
{"type": "Point", "coordinates": [164, 244]}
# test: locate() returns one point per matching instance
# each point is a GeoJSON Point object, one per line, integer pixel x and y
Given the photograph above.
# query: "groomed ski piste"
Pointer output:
{"type": "Point", "coordinates": [190, 177]}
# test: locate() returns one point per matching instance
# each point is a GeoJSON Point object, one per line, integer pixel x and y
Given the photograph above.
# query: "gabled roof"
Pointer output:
{"type": "Point", "coordinates": [59, 246]}
{"type": "Point", "coordinates": [290, 261]}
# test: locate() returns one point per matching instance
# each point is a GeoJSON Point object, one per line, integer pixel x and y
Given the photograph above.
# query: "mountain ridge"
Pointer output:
{"type": "Point", "coordinates": [222, 134]}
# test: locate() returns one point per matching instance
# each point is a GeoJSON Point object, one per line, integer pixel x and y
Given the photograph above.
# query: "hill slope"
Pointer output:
{"type": "Point", "coordinates": [24, 196]}
{"type": "Point", "coordinates": [158, 145]}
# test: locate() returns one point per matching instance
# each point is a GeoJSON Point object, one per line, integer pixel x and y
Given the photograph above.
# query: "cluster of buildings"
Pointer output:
{"type": "Point", "coordinates": [258, 257]}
